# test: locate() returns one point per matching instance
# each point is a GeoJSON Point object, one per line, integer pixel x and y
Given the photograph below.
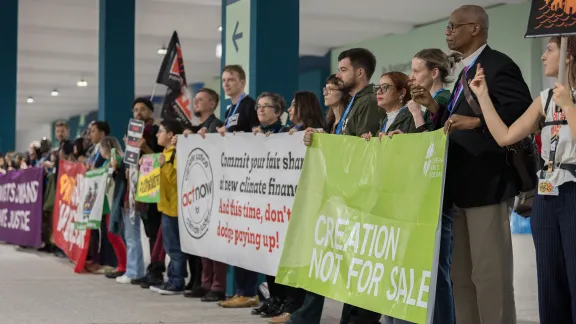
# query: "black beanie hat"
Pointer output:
{"type": "Point", "coordinates": [144, 101]}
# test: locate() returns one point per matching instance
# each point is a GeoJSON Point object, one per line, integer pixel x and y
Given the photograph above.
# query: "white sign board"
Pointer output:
{"type": "Point", "coordinates": [236, 194]}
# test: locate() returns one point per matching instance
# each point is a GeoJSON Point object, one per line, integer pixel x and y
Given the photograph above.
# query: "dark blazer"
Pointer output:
{"type": "Point", "coordinates": [477, 171]}
{"type": "Point", "coordinates": [404, 121]}
{"type": "Point", "coordinates": [211, 123]}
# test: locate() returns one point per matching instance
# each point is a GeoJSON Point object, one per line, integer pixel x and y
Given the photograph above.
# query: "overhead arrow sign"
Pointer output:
{"type": "Point", "coordinates": [237, 39]}
{"type": "Point", "coordinates": [236, 36]}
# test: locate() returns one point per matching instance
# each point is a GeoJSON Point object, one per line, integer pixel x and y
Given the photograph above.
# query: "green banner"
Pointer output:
{"type": "Point", "coordinates": [365, 222]}
{"type": "Point", "coordinates": [149, 179]}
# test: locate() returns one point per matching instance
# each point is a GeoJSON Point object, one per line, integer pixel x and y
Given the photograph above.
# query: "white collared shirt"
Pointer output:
{"type": "Point", "coordinates": [467, 61]}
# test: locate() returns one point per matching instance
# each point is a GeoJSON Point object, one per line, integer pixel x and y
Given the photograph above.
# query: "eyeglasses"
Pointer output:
{"type": "Point", "coordinates": [382, 87]}
{"type": "Point", "coordinates": [330, 90]}
{"type": "Point", "coordinates": [258, 107]}
{"type": "Point", "coordinates": [452, 27]}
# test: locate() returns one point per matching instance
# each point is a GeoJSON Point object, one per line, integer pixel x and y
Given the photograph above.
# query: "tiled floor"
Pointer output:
{"type": "Point", "coordinates": [39, 289]}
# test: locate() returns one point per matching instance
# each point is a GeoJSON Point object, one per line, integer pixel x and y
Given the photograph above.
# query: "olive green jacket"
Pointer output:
{"type": "Point", "coordinates": [364, 116]}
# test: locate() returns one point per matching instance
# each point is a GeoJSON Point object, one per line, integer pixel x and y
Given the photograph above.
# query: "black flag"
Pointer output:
{"type": "Point", "coordinates": [552, 18]}
{"type": "Point", "coordinates": [177, 103]}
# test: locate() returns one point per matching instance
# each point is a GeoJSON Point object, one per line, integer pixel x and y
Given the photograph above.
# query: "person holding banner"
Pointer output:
{"type": "Point", "coordinates": [554, 207]}
{"type": "Point", "coordinates": [241, 116]}
{"type": "Point", "coordinates": [431, 71]}
{"type": "Point", "coordinates": [111, 151]}
{"type": "Point", "coordinates": [212, 276]}
{"type": "Point", "coordinates": [269, 107]}
{"type": "Point", "coordinates": [205, 103]}
{"type": "Point", "coordinates": [304, 112]}
{"type": "Point", "coordinates": [393, 93]}
{"type": "Point", "coordinates": [168, 206]}
{"type": "Point", "coordinates": [362, 115]}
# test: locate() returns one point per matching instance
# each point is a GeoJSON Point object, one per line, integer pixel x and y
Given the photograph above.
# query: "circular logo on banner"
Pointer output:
{"type": "Point", "coordinates": [197, 193]}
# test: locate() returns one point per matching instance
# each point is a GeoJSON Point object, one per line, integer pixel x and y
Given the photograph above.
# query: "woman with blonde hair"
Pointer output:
{"type": "Point", "coordinates": [432, 70]}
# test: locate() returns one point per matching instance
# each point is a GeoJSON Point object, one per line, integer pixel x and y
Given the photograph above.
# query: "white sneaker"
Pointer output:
{"type": "Point", "coordinates": [123, 280]}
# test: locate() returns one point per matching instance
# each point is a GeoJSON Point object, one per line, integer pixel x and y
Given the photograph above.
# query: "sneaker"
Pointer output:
{"type": "Point", "coordinates": [167, 289]}
{"type": "Point", "coordinates": [196, 293]}
{"type": "Point", "coordinates": [241, 302]}
{"type": "Point", "coordinates": [137, 281]}
{"type": "Point", "coordinates": [123, 279]}
{"type": "Point", "coordinates": [214, 296]}
{"type": "Point", "coordinates": [148, 282]}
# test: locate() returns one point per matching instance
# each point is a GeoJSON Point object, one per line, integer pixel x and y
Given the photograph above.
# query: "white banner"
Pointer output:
{"type": "Point", "coordinates": [92, 193]}
{"type": "Point", "coordinates": [236, 194]}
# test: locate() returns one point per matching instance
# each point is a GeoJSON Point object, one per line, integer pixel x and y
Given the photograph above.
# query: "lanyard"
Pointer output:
{"type": "Point", "coordinates": [228, 121]}
{"type": "Point", "coordinates": [437, 92]}
{"type": "Point", "coordinates": [460, 87]}
{"type": "Point", "coordinates": [299, 127]}
{"type": "Point", "coordinates": [346, 112]}
{"type": "Point", "coordinates": [96, 157]}
{"type": "Point", "coordinates": [274, 128]}
{"type": "Point", "coordinates": [383, 129]}
{"type": "Point", "coordinates": [554, 138]}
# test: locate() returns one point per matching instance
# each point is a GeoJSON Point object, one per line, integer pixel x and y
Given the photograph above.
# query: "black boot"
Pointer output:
{"type": "Point", "coordinates": [265, 307]}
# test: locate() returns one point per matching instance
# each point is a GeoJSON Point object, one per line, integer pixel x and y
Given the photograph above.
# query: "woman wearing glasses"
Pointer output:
{"type": "Point", "coordinates": [393, 94]}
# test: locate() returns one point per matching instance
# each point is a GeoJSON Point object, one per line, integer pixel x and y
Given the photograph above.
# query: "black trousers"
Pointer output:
{"type": "Point", "coordinates": [152, 223]}
{"type": "Point", "coordinates": [356, 315]}
{"type": "Point", "coordinates": [293, 298]}
{"type": "Point", "coordinates": [553, 223]}
{"type": "Point", "coordinates": [195, 264]}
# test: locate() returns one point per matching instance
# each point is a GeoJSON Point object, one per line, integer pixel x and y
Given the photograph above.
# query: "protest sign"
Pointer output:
{"type": "Point", "coordinates": [92, 193]}
{"type": "Point", "coordinates": [21, 207]}
{"type": "Point", "coordinates": [149, 179]}
{"type": "Point", "coordinates": [365, 223]}
{"type": "Point", "coordinates": [235, 196]}
{"type": "Point", "coordinates": [551, 18]}
{"type": "Point", "coordinates": [73, 242]}
{"type": "Point", "coordinates": [135, 133]}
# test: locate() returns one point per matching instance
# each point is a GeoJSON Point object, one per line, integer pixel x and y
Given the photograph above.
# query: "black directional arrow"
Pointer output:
{"type": "Point", "coordinates": [236, 36]}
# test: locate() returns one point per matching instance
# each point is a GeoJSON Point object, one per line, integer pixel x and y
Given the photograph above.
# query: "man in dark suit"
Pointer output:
{"type": "Point", "coordinates": [480, 185]}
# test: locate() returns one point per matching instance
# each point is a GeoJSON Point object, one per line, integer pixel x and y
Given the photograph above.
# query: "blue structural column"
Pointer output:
{"type": "Point", "coordinates": [263, 37]}
{"type": "Point", "coordinates": [8, 73]}
{"type": "Point", "coordinates": [116, 64]}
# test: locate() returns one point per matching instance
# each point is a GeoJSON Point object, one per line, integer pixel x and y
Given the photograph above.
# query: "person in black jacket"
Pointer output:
{"type": "Point", "coordinates": [207, 277]}
{"type": "Point", "coordinates": [205, 102]}
{"type": "Point", "coordinates": [241, 116]}
{"type": "Point", "coordinates": [480, 185]}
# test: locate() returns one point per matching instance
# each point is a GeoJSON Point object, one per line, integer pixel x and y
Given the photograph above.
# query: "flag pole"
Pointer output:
{"type": "Point", "coordinates": [153, 91]}
{"type": "Point", "coordinates": [562, 63]}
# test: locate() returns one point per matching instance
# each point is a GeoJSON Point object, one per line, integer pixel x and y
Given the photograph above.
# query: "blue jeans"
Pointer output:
{"type": "Point", "coordinates": [444, 304]}
{"type": "Point", "coordinates": [135, 263]}
{"type": "Point", "coordinates": [178, 261]}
